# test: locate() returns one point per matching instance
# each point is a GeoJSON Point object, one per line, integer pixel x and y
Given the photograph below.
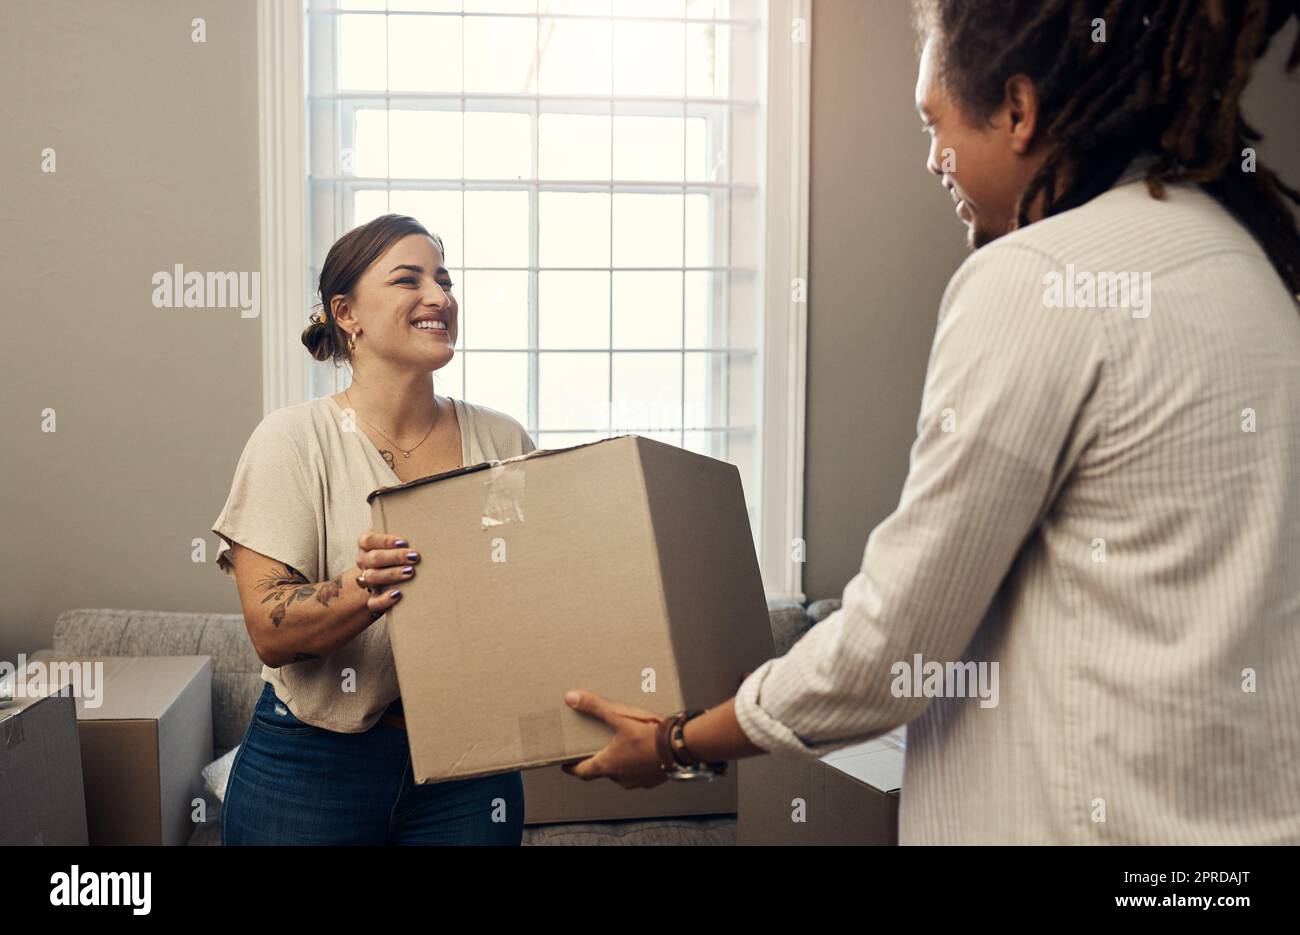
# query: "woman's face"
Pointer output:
{"type": "Point", "coordinates": [406, 285]}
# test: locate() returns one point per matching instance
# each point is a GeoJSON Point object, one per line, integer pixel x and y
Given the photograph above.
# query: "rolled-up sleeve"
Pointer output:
{"type": "Point", "coordinates": [1003, 421]}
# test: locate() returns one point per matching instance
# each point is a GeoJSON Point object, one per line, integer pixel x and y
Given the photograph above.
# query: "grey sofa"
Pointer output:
{"type": "Point", "coordinates": [237, 682]}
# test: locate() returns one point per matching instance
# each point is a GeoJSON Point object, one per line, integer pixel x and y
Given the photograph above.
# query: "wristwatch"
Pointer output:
{"type": "Point", "coordinates": [674, 758]}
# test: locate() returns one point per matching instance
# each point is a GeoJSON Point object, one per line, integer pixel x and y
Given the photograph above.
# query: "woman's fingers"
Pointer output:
{"type": "Point", "coordinates": [387, 575]}
{"type": "Point", "coordinates": [384, 565]}
{"type": "Point", "coordinates": [378, 604]}
{"type": "Point", "coordinates": [381, 551]}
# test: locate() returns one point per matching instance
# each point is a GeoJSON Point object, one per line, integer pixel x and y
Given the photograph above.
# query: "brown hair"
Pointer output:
{"type": "Point", "coordinates": [1168, 80]}
{"type": "Point", "coordinates": [351, 256]}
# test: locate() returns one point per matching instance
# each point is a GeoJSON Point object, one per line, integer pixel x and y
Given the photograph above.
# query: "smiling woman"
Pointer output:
{"type": "Point", "coordinates": [315, 582]}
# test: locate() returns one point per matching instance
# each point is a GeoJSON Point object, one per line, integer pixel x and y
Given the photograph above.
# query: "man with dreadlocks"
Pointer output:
{"type": "Point", "coordinates": [1086, 606]}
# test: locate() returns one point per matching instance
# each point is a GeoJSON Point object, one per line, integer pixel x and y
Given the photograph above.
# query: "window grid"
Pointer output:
{"type": "Point", "coordinates": [344, 186]}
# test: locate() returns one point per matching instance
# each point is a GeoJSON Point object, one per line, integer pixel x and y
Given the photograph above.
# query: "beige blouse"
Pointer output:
{"type": "Point", "coordinates": [299, 497]}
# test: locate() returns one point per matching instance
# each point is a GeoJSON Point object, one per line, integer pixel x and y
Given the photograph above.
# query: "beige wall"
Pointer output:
{"type": "Point", "coordinates": [156, 146]}
{"type": "Point", "coordinates": [883, 242]}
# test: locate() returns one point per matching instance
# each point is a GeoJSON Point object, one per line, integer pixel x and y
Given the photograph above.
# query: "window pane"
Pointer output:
{"type": "Point", "coordinates": [649, 149]}
{"type": "Point", "coordinates": [433, 6]}
{"type": "Point", "coordinates": [710, 444]}
{"type": "Point", "coordinates": [554, 440]}
{"type": "Point", "coordinates": [363, 58]}
{"type": "Point", "coordinates": [368, 205]}
{"type": "Point", "coordinates": [450, 380]}
{"type": "Point", "coordinates": [706, 60]}
{"type": "Point", "coordinates": [575, 57]}
{"type": "Point", "coordinates": [675, 8]}
{"type": "Point", "coordinates": [701, 307]}
{"type": "Point", "coordinates": [701, 228]}
{"type": "Point", "coordinates": [494, 309]}
{"type": "Point", "coordinates": [499, 54]}
{"type": "Point", "coordinates": [424, 53]}
{"type": "Point", "coordinates": [440, 212]}
{"type": "Point", "coordinates": [496, 228]}
{"type": "Point", "coordinates": [498, 146]}
{"type": "Point", "coordinates": [647, 230]}
{"type": "Point", "coordinates": [424, 144]}
{"type": "Point", "coordinates": [572, 309]}
{"type": "Point", "coordinates": [649, 58]}
{"type": "Point", "coordinates": [573, 146]}
{"type": "Point", "coordinates": [573, 391]}
{"type": "Point", "coordinates": [573, 229]}
{"type": "Point", "coordinates": [707, 128]}
{"type": "Point", "coordinates": [500, 6]}
{"type": "Point", "coordinates": [647, 391]}
{"type": "Point", "coordinates": [705, 390]}
{"type": "Point", "coordinates": [648, 309]}
{"type": "Point", "coordinates": [499, 381]}
{"type": "Point", "coordinates": [370, 143]}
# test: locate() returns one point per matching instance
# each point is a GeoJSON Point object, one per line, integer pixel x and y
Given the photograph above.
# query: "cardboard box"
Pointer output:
{"type": "Point", "coordinates": [144, 747]}
{"type": "Point", "coordinates": [41, 797]}
{"type": "Point", "coordinates": [849, 796]}
{"type": "Point", "coordinates": [620, 566]}
{"type": "Point", "coordinates": [553, 797]}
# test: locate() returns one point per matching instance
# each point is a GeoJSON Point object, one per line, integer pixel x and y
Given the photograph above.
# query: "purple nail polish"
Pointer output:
{"type": "Point", "coordinates": [412, 556]}
{"type": "Point", "coordinates": [402, 543]}
{"type": "Point", "coordinates": [408, 570]}
{"type": "Point", "coordinates": [395, 595]}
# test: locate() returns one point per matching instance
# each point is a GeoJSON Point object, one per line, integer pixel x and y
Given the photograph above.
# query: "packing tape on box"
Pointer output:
{"type": "Point", "coordinates": [541, 735]}
{"type": "Point", "coordinates": [504, 500]}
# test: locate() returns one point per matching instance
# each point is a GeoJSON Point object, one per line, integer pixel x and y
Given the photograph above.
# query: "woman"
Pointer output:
{"type": "Point", "coordinates": [325, 758]}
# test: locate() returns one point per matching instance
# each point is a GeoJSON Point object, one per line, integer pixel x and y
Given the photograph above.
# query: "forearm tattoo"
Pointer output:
{"type": "Point", "coordinates": [292, 585]}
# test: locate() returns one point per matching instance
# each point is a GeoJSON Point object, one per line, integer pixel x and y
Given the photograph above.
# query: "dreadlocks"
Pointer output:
{"type": "Point", "coordinates": [1167, 79]}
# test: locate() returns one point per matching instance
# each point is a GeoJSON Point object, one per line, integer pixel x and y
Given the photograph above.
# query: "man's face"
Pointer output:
{"type": "Point", "coordinates": [984, 164]}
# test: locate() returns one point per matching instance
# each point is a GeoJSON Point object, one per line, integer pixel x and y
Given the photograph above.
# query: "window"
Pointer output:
{"type": "Point", "coordinates": [596, 171]}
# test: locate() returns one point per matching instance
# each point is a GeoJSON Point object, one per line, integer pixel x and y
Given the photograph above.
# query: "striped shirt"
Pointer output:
{"type": "Point", "coordinates": [1103, 509]}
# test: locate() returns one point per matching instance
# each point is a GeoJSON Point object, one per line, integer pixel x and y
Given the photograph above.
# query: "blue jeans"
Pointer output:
{"type": "Point", "coordinates": [292, 783]}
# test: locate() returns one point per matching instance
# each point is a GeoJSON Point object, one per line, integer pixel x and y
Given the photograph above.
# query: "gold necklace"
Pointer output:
{"type": "Point", "coordinates": [406, 452]}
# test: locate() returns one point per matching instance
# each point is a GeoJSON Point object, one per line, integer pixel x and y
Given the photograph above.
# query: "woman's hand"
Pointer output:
{"type": "Point", "coordinates": [383, 561]}
{"type": "Point", "coordinates": [629, 758]}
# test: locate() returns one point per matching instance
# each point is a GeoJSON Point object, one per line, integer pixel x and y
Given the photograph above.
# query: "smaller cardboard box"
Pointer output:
{"type": "Point", "coordinates": [625, 567]}
{"type": "Point", "coordinates": [41, 796]}
{"type": "Point", "coordinates": [553, 797]}
{"type": "Point", "coordinates": [146, 733]}
{"type": "Point", "coordinates": [849, 796]}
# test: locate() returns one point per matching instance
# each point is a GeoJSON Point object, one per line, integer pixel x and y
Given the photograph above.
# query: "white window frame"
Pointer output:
{"type": "Point", "coordinates": [282, 95]}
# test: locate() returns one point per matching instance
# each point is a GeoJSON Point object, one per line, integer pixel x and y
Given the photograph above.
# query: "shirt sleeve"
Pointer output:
{"type": "Point", "coordinates": [271, 508]}
{"type": "Point", "coordinates": [999, 430]}
{"type": "Point", "coordinates": [526, 443]}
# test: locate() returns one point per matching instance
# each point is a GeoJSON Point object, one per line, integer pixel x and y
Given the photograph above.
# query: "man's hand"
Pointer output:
{"type": "Point", "coordinates": [629, 758]}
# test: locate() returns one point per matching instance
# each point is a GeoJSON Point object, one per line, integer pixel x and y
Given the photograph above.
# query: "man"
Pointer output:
{"type": "Point", "coordinates": [1102, 510]}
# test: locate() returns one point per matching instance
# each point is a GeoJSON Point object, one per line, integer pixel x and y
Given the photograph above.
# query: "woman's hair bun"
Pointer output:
{"type": "Point", "coordinates": [315, 337]}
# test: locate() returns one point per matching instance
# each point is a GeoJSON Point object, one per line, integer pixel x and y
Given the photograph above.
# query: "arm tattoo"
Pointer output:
{"type": "Point", "coordinates": [292, 586]}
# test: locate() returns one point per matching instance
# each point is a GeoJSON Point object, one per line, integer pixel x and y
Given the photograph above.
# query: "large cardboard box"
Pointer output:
{"type": "Point", "coordinates": [625, 567]}
{"type": "Point", "coordinates": [146, 734]}
{"type": "Point", "coordinates": [41, 798]}
{"type": "Point", "coordinates": [849, 796]}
